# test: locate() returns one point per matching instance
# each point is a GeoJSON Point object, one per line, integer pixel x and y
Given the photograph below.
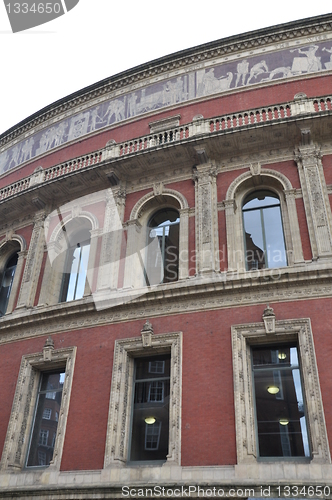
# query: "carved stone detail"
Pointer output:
{"type": "Point", "coordinates": [285, 330]}
{"type": "Point", "coordinates": [21, 418]}
{"type": "Point", "coordinates": [315, 197]}
{"type": "Point", "coordinates": [125, 351]}
{"type": "Point", "coordinates": [33, 263]}
{"type": "Point", "coordinates": [206, 217]}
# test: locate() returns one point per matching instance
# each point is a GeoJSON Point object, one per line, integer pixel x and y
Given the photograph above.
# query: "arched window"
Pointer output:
{"type": "Point", "coordinates": [7, 282]}
{"type": "Point", "coordinates": [263, 231]}
{"type": "Point", "coordinates": [163, 247]}
{"type": "Point", "coordinates": [76, 266]}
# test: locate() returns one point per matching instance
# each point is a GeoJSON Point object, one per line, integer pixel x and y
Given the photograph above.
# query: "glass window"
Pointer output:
{"type": "Point", "coordinates": [44, 426]}
{"type": "Point", "coordinates": [7, 283]}
{"type": "Point", "coordinates": [163, 247]}
{"type": "Point", "coordinates": [74, 276]}
{"type": "Point", "coordinates": [280, 409]}
{"type": "Point", "coordinates": [264, 235]}
{"type": "Point", "coordinates": [150, 421]}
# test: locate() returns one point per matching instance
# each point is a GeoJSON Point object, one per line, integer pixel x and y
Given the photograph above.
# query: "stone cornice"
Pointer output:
{"type": "Point", "coordinates": [202, 53]}
{"type": "Point", "coordinates": [188, 296]}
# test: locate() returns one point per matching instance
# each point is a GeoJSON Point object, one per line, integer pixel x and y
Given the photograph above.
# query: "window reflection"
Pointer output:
{"type": "Point", "coordinates": [163, 258]}
{"type": "Point", "coordinates": [76, 266]}
{"type": "Point", "coordinates": [7, 283]}
{"type": "Point", "coordinates": [150, 421]}
{"type": "Point", "coordinates": [280, 412]}
{"type": "Point", "coordinates": [264, 236]}
{"type": "Point", "coordinates": [46, 419]}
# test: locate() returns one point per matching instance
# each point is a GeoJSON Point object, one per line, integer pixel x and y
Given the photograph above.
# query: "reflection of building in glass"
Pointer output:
{"type": "Point", "coordinates": [45, 423]}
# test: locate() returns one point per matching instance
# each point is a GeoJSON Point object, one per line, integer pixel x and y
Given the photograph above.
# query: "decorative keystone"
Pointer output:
{"type": "Point", "coordinates": [48, 349]}
{"type": "Point", "coordinates": [147, 333]}
{"type": "Point", "coordinates": [269, 319]}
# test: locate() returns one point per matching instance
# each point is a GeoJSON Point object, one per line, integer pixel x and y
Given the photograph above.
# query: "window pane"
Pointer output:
{"type": "Point", "coordinates": [150, 427]}
{"type": "Point", "coordinates": [74, 279]}
{"type": "Point", "coordinates": [46, 419]}
{"type": "Point", "coordinates": [7, 283]}
{"type": "Point", "coordinates": [163, 247]}
{"type": "Point", "coordinates": [281, 422]}
{"type": "Point", "coordinates": [264, 236]}
{"type": "Point", "coordinates": [276, 255]}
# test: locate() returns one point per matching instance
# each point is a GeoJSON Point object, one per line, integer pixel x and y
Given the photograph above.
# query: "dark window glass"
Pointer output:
{"type": "Point", "coordinates": [280, 413]}
{"type": "Point", "coordinates": [7, 283]}
{"type": "Point", "coordinates": [150, 427]}
{"type": "Point", "coordinates": [46, 419]}
{"type": "Point", "coordinates": [75, 272]}
{"type": "Point", "coordinates": [163, 247]}
{"type": "Point", "coordinates": [264, 235]}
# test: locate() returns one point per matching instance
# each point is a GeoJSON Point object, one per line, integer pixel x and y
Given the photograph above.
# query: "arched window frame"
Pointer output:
{"type": "Point", "coordinates": [137, 228]}
{"type": "Point", "coordinates": [163, 241]}
{"type": "Point", "coordinates": [269, 180]}
{"type": "Point", "coordinates": [57, 247]}
{"type": "Point", "coordinates": [15, 245]}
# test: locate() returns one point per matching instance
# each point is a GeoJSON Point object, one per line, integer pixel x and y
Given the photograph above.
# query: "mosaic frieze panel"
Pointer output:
{"type": "Point", "coordinates": [200, 83]}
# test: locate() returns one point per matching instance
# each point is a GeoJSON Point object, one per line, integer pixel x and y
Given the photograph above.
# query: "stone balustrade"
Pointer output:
{"type": "Point", "coordinates": [198, 127]}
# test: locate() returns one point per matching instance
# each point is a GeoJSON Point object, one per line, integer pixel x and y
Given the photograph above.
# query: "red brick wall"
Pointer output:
{"type": "Point", "coordinates": [208, 427]}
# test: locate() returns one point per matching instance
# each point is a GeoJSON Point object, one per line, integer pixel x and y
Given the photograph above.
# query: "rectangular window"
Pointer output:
{"type": "Point", "coordinates": [280, 409]}
{"type": "Point", "coordinates": [49, 393]}
{"type": "Point", "coordinates": [150, 420]}
{"type": "Point", "coordinates": [47, 413]}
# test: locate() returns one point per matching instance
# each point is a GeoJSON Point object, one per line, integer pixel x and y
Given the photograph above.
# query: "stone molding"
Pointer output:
{"type": "Point", "coordinates": [21, 418]}
{"type": "Point", "coordinates": [137, 210]}
{"type": "Point", "coordinates": [193, 295]}
{"type": "Point", "coordinates": [315, 198]}
{"type": "Point", "coordinates": [243, 336]}
{"type": "Point", "coordinates": [119, 417]}
{"type": "Point", "coordinates": [238, 189]}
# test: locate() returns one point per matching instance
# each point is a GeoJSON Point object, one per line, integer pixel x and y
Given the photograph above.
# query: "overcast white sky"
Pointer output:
{"type": "Point", "coordinates": [100, 38]}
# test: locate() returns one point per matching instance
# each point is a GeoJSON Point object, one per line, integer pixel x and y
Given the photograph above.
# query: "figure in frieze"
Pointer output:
{"type": "Point", "coordinates": [78, 126]}
{"type": "Point", "coordinates": [242, 69]}
{"type": "Point", "coordinates": [44, 142]}
{"type": "Point", "coordinates": [258, 69]}
{"type": "Point", "coordinates": [175, 91]}
{"type": "Point", "coordinates": [328, 65]}
{"type": "Point", "coordinates": [3, 162]}
{"type": "Point", "coordinates": [211, 85]}
{"type": "Point", "coordinates": [27, 149]}
{"type": "Point", "coordinates": [310, 64]}
{"type": "Point", "coordinates": [15, 159]}
{"type": "Point", "coordinates": [116, 108]}
{"type": "Point", "coordinates": [94, 118]}
{"type": "Point", "coordinates": [57, 138]}
{"type": "Point", "coordinates": [132, 105]}
{"type": "Point", "coordinates": [283, 72]}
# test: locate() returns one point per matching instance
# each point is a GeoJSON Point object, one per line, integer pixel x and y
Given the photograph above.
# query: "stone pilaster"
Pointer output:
{"type": "Point", "coordinates": [108, 269]}
{"type": "Point", "coordinates": [315, 198]}
{"type": "Point", "coordinates": [183, 244]}
{"type": "Point", "coordinates": [33, 263]}
{"type": "Point", "coordinates": [135, 259]}
{"type": "Point", "coordinates": [206, 215]}
{"type": "Point", "coordinates": [295, 256]}
{"type": "Point", "coordinates": [17, 278]}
